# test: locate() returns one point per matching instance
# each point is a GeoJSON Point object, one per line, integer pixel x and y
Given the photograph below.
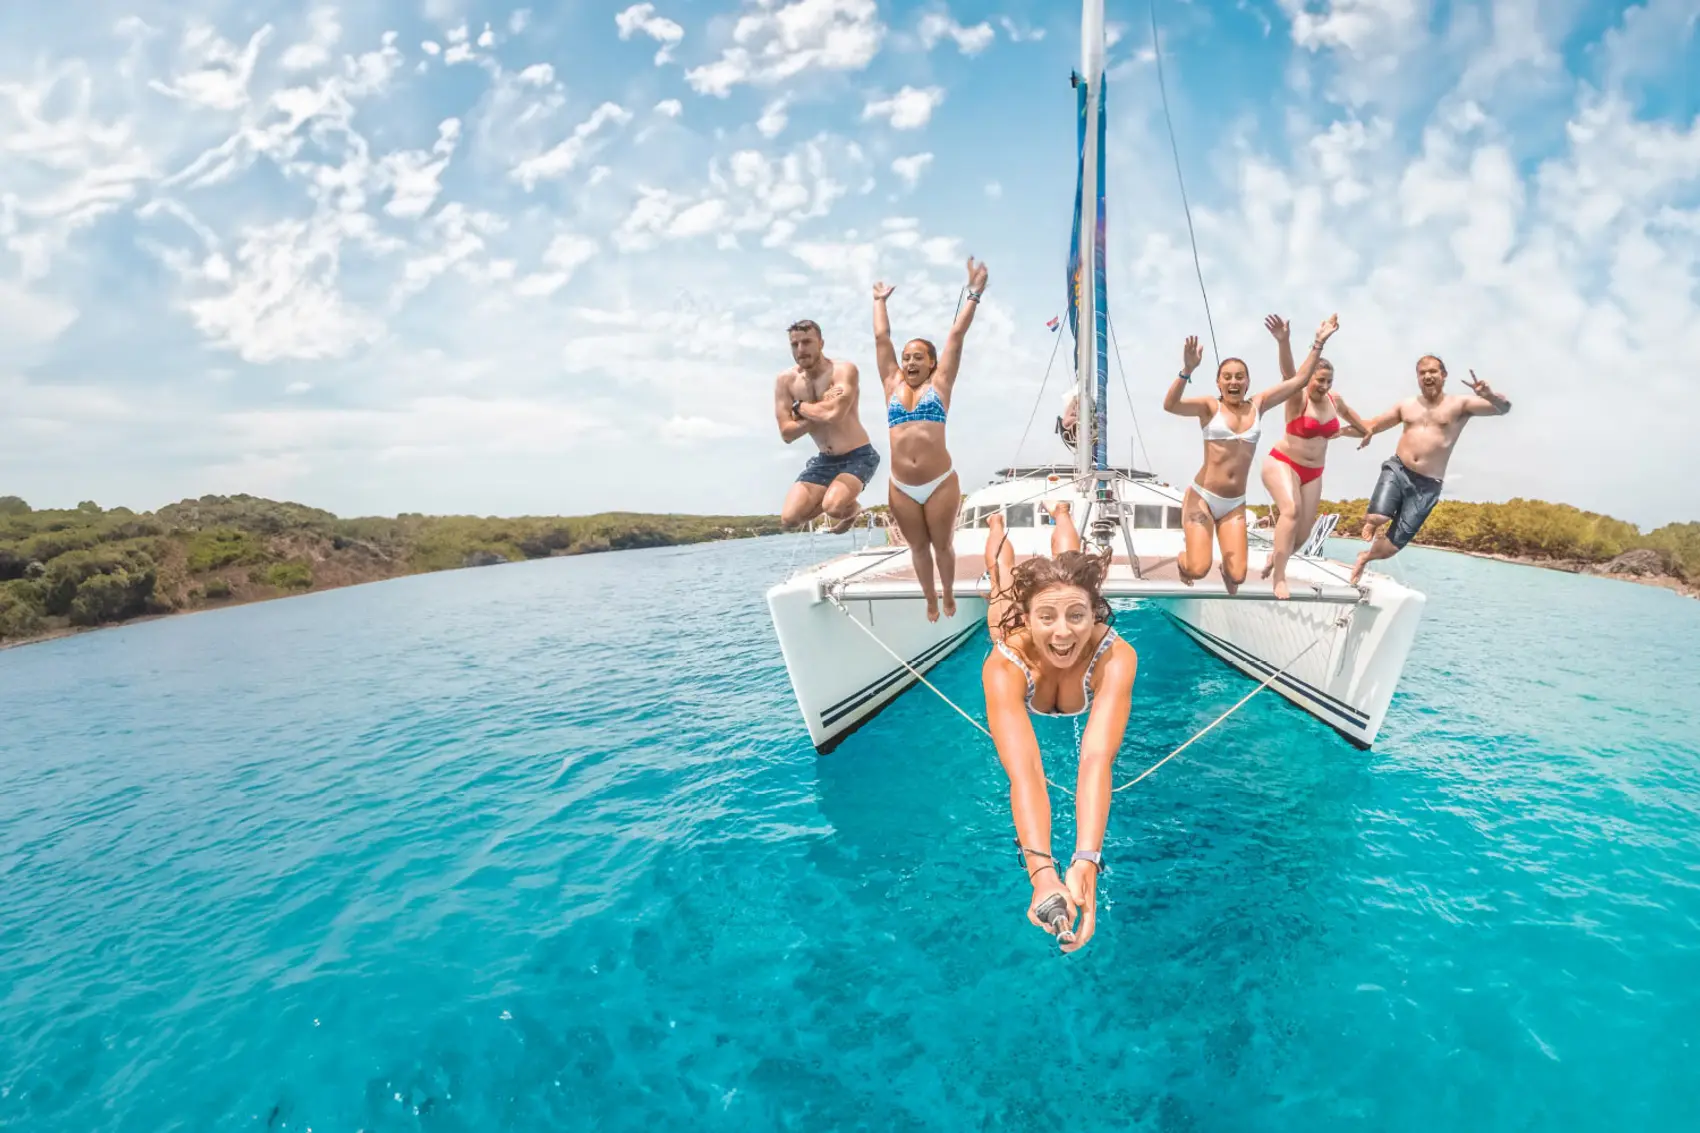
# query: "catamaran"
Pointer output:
{"type": "Point", "coordinates": [853, 629]}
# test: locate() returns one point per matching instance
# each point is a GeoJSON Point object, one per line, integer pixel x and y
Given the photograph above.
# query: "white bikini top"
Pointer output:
{"type": "Point", "coordinates": [1217, 429]}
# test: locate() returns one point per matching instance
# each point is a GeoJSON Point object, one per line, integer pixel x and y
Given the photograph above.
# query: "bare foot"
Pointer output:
{"type": "Point", "coordinates": [932, 609]}
{"type": "Point", "coordinates": [844, 525]}
{"type": "Point", "coordinates": [950, 605]}
{"type": "Point", "coordinates": [1281, 591]}
{"type": "Point", "coordinates": [1358, 571]}
{"type": "Point", "coordinates": [1269, 566]}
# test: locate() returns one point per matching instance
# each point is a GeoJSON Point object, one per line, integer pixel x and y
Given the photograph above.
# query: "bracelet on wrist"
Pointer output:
{"type": "Point", "coordinates": [973, 296]}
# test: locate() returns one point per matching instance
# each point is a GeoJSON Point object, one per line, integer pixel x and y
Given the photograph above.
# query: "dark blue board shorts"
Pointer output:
{"type": "Point", "coordinates": [822, 469]}
{"type": "Point", "coordinates": [1405, 497]}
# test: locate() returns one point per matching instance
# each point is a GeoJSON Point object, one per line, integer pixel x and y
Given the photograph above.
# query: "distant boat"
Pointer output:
{"type": "Point", "coordinates": [1335, 649]}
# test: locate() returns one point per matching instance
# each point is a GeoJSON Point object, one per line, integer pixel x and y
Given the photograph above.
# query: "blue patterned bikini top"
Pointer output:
{"type": "Point", "coordinates": [927, 408]}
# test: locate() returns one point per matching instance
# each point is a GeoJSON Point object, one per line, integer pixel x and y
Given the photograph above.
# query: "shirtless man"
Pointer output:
{"type": "Point", "coordinates": [818, 397]}
{"type": "Point", "coordinates": [1409, 486]}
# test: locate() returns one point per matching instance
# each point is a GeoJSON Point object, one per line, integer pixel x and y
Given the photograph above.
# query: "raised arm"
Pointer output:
{"type": "Point", "coordinates": [839, 400]}
{"type": "Point", "coordinates": [951, 356]}
{"type": "Point", "coordinates": [1485, 403]}
{"type": "Point", "coordinates": [1201, 407]}
{"type": "Point", "coordinates": [1292, 382]}
{"type": "Point", "coordinates": [884, 356]}
{"type": "Point", "coordinates": [1098, 748]}
{"type": "Point", "coordinates": [1029, 803]}
{"type": "Point", "coordinates": [791, 426]}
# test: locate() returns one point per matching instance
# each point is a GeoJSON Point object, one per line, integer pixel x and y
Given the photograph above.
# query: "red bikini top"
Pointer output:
{"type": "Point", "coordinates": [1308, 426]}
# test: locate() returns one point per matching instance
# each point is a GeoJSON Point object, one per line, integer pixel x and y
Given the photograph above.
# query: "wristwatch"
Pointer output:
{"type": "Point", "coordinates": [1094, 856]}
{"type": "Point", "coordinates": [795, 406]}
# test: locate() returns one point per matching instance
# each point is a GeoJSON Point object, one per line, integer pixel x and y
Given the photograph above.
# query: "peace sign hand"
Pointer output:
{"type": "Point", "coordinates": [1479, 387]}
{"type": "Point", "coordinates": [882, 292]}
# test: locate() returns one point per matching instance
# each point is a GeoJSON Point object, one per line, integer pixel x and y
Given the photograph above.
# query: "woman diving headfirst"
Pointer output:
{"type": "Point", "coordinates": [925, 492]}
{"type": "Point", "coordinates": [1054, 654]}
{"type": "Point", "coordinates": [1214, 504]}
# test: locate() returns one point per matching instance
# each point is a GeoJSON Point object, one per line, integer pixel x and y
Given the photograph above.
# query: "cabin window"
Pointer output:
{"type": "Point", "coordinates": [1174, 517]}
{"type": "Point", "coordinates": [1020, 515]}
{"type": "Point", "coordinates": [1148, 516]}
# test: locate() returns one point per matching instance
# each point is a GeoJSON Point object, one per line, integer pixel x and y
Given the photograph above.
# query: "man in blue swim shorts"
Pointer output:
{"type": "Point", "coordinates": [819, 398]}
{"type": "Point", "coordinates": [1410, 481]}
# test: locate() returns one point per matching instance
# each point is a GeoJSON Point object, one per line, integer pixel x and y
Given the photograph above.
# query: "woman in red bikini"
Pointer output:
{"type": "Point", "coordinates": [1293, 469]}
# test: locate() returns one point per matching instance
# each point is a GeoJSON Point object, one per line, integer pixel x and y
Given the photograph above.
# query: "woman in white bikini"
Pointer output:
{"type": "Point", "coordinates": [1292, 472]}
{"type": "Point", "coordinates": [1054, 654]}
{"type": "Point", "coordinates": [1214, 505]}
{"type": "Point", "coordinates": [925, 492]}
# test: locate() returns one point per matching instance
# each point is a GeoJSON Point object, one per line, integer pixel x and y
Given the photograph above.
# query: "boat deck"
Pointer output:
{"type": "Point", "coordinates": [893, 577]}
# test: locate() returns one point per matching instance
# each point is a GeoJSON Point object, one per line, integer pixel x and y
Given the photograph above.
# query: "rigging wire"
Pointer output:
{"type": "Point", "coordinates": [1157, 51]}
{"type": "Point", "coordinates": [1132, 415]}
{"type": "Point", "coordinates": [1037, 401]}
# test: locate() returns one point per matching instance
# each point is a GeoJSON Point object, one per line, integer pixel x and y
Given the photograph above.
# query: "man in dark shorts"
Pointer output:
{"type": "Point", "coordinates": [819, 398]}
{"type": "Point", "coordinates": [1410, 481]}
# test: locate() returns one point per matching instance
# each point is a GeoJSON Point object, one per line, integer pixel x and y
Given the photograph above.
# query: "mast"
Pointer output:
{"type": "Point", "coordinates": [1086, 274]}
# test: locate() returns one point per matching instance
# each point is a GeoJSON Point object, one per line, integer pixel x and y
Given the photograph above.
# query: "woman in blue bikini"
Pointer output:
{"type": "Point", "coordinates": [1214, 504]}
{"type": "Point", "coordinates": [1055, 654]}
{"type": "Point", "coordinates": [924, 493]}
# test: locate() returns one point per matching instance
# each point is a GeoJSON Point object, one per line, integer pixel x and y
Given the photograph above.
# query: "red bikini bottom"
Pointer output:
{"type": "Point", "coordinates": [1305, 471]}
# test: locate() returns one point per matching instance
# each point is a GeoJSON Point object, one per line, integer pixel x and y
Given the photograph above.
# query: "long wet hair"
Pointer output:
{"type": "Point", "coordinates": [1071, 568]}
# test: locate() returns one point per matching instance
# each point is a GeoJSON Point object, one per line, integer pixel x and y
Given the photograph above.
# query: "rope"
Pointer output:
{"type": "Point", "coordinates": [1055, 785]}
{"type": "Point", "coordinates": [1270, 680]}
{"type": "Point", "coordinates": [1157, 51]}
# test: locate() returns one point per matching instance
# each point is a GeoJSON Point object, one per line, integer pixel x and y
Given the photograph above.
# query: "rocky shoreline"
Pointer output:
{"type": "Point", "coordinates": [1644, 566]}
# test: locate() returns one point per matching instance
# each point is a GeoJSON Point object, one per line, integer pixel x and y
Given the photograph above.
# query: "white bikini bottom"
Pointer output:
{"type": "Point", "coordinates": [921, 493]}
{"type": "Point", "coordinates": [1219, 505]}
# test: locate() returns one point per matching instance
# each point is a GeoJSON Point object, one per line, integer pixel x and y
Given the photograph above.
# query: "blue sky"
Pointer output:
{"type": "Point", "coordinates": [443, 256]}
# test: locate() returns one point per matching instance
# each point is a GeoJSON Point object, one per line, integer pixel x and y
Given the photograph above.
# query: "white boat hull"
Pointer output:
{"type": "Point", "coordinates": [1341, 663]}
{"type": "Point", "coordinates": [840, 674]}
{"type": "Point", "coordinates": [1338, 650]}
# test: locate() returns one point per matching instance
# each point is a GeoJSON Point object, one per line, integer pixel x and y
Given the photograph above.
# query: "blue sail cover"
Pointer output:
{"type": "Point", "coordinates": [1100, 305]}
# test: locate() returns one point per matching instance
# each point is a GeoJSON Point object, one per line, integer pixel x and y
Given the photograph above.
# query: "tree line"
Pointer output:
{"type": "Point", "coordinates": [89, 566]}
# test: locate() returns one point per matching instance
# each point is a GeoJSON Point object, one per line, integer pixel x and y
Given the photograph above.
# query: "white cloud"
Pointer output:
{"type": "Point", "coordinates": [775, 41]}
{"type": "Point", "coordinates": [1019, 34]}
{"type": "Point", "coordinates": [910, 168]}
{"type": "Point", "coordinates": [938, 25]}
{"type": "Point", "coordinates": [519, 21]}
{"type": "Point", "coordinates": [412, 175]}
{"type": "Point", "coordinates": [69, 166]}
{"type": "Point", "coordinates": [316, 52]}
{"type": "Point", "coordinates": [565, 155]}
{"type": "Point", "coordinates": [670, 108]}
{"type": "Point", "coordinates": [773, 117]}
{"type": "Point", "coordinates": [279, 298]}
{"type": "Point", "coordinates": [537, 75]}
{"type": "Point", "coordinates": [685, 430]}
{"type": "Point", "coordinates": [908, 109]}
{"type": "Point", "coordinates": [216, 73]}
{"type": "Point", "coordinates": [566, 253]}
{"type": "Point", "coordinates": [642, 19]}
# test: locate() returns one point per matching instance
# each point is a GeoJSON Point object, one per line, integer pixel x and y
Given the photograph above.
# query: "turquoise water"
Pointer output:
{"type": "Point", "coordinates": [544, 847]}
